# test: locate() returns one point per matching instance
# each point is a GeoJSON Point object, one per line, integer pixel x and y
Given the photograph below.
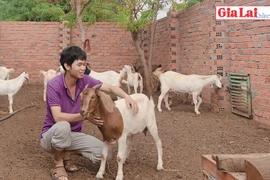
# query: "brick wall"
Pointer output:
{"type": "Point", "coordinates": [34, 46]}
{"type": "Point", "coordinates": [29, 46]}
{"type": "Point", "coordinates": [247, 49]}
{"type": "Point", "coordinates": [111, 46]}
{"type": "Point", "coordinates": [162, 42]}
{"type": "Point", "coordinates": [208, 46]}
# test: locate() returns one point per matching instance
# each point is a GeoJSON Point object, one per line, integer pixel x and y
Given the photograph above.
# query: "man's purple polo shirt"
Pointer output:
{"type": "Point", "coordinates": [59, 95]}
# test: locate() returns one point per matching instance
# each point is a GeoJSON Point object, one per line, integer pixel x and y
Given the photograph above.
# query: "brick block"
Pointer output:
{"type": "Point", "coordinates": [210, 172]}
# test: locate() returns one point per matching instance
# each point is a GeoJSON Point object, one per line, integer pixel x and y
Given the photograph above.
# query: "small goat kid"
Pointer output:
{"type": "Point", "coordinates": [119, 124]}
{"type": "Point", "coordinates": [5, 72]}
{"type": "Point", "coordinates": [11, 87]}
{"type": "Point", "coordinates": [133, 78]}
{"type": "Point", "coordinates": [192, 84]}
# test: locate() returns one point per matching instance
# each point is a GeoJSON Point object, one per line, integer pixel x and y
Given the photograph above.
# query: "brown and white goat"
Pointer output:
{"type": "Point", "coordinates": [119, 124]}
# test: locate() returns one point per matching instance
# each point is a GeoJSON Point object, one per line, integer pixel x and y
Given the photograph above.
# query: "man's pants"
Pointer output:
{"type": "Point", "coordinates": [59, 137]}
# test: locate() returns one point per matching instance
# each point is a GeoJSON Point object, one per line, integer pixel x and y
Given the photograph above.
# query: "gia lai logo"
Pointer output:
{"type": "Point", "coordinates": [242, 12]}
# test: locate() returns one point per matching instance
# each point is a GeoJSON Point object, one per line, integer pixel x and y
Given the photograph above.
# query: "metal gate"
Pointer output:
{"type": "Point", "coordinates": [239, 88]}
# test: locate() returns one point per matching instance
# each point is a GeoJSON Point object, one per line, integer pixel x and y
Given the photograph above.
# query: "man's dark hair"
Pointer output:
{"type": "Point", "coordinates": [70, 54]}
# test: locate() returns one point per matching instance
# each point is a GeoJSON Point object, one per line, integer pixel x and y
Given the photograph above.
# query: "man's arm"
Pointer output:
{"type": "Point", "coordinates": [60, 116]}
{"type": "Point", "coordinates": [119, 92]}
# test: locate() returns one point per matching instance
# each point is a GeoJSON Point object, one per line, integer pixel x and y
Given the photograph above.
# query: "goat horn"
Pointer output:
{"type": "Point", "coordinates": [86, 86]}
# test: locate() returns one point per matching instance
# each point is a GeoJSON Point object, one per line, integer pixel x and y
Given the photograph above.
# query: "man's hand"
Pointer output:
{"type": "Point", "coordinates": [95, 120]}
{"type": "Point", "coordinates": [131, 103]}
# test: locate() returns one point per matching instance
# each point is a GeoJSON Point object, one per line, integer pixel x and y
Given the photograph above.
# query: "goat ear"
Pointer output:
{"type": "Point", "coordinates": [159, 70]}
{"type": "Point", "coordinates": [134, 63]}
{"type": "Point", "coordinates": [132, 70]}
{"type": "Point", "coordinates": [88, 65]}
{"type": "Point", "coordinates": [106, 100]}
{"type": "Point", "coordinates": [219, 77]}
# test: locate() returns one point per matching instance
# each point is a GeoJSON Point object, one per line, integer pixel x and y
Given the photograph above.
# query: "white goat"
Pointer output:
{"type": "Point", "coordinates": [119, 124]}
{"type": "Point", "coordinates": [192, 84]}
{"type": "Point", "coordinates": [109, 77]}
{"type": "Point", "coordinates": [11, 87]}
{"type": "Point", "coordinates": [60, 70]}
{"type": "Point", "coordinates": [5, 72]}
{"type": "Point", "coordinates": [48, 75]}
{"type": "Point", "coordinates": [133, 79]}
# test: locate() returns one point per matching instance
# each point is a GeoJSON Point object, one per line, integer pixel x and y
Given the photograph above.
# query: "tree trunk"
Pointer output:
{"type": "Point", "coordinates": [153, 33]}
{"type": "Point", "coordinates": [136, 41]}
{"type": "Point", "coordinates": [80, 22]}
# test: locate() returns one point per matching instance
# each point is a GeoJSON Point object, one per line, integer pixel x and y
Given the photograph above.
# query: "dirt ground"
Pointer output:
{"type": "Point", "coordinates": [185, 137]}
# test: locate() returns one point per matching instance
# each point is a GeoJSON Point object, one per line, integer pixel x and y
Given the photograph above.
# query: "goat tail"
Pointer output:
{"type": "Point", "coordinates": [145, 131]}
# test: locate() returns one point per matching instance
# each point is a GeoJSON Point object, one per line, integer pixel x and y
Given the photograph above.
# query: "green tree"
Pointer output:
{"type": "Point", "coordinates": [56, 10]}
{"type": "Point", "coordinates": [94, 10]}
{"type": "Point", "coordinates": [186, 4]}
{"type": "Point", "coordinates": [134, 16]}
{"type": "Point", "coordinates": [29, 10]}
{"type": "Point", "coordinates": [75, 12]}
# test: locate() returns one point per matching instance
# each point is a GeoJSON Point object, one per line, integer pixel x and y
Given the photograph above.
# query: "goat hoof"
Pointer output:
{"type": "Point", "coordinates": [119, 178]}
{"type": "Point", "coordinates": [160, 168]}
{"type": "Point", "coordinates": [160, 110]}
{"type": "Point", "coordinates": [198, 113]}
{"type": "Point", "coordinates": [99, 176]}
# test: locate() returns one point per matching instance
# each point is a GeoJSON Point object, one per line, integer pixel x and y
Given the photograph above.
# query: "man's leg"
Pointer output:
{"type": "Point", "coordinates": [57, 138]}
{"type": "Point", "coordinates": [89, 146]}
{"type": "Point", "coordinates": [54, 141]}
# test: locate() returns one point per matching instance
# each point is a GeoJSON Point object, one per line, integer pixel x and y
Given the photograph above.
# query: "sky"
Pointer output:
{"type": "Point", "coordinates": [163, 12]}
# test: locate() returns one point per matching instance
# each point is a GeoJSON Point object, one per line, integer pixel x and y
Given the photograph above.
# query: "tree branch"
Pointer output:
{"type": "Point", "coordinates": [84, 6]}
{"type": "Point", "coordinates": [102, 8]}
